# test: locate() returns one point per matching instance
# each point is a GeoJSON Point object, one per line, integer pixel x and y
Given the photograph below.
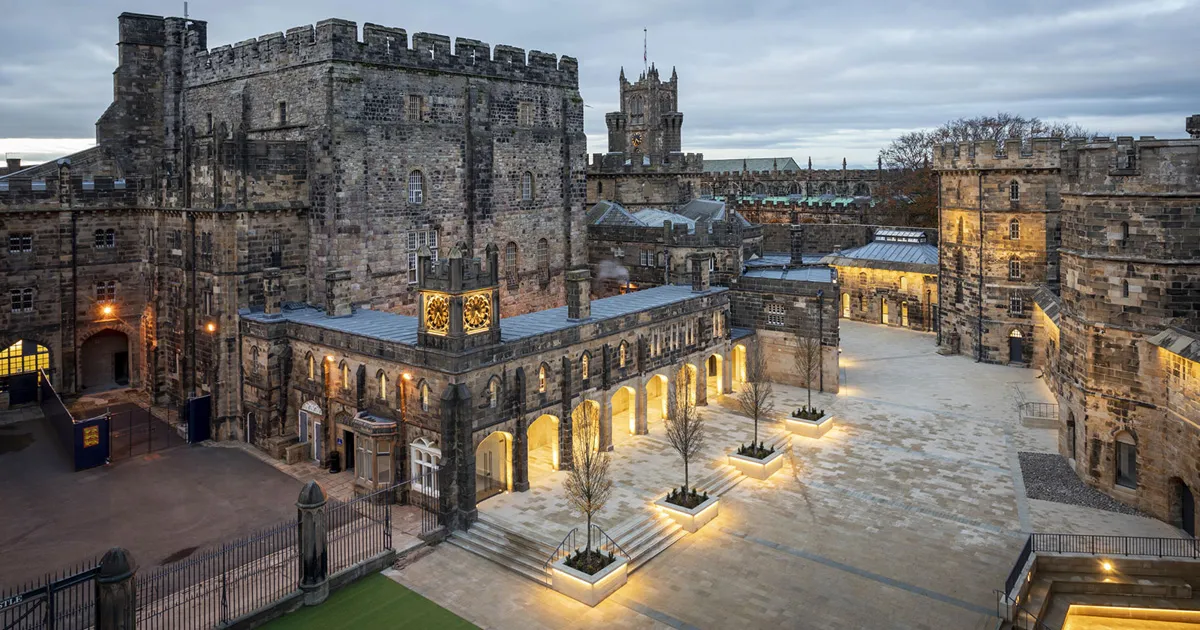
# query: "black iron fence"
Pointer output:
{"type": "Point", "coordinates": [134, 430]}
{"type": "Point", "coordinates": [86, 441]}
{"type": "Point", "coordinates": [63, 600]}
{"type": "Point", "coordinates": [1116, 545]}
{"type": "Point", "coordinates": [360, 529]}
{"type": "Point", "coordinates": [1015, 573]}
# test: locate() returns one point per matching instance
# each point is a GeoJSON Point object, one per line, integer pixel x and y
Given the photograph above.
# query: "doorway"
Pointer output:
{"type": "Point", "coordinates": [1016, 349]}
{"type": "Point", "coordinates": [105, 360]}
{"type": "Point", "coordinates": [883, 310]}
{"type": "Point", "coordinates": [904, 314]}
{"type": "Point", "coordinates": [846, 305]}
{"type": "Point", "coordinates": [348, 449]}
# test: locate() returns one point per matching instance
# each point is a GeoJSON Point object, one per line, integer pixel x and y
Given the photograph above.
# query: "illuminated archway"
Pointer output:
{"type": "Point", "coordinates": [543, 447]}
{"type": "Point", "coordinates": [656, 399]}
{"type": "Point", "coordinates": [624, 413]}
{"type": "Point", "coordinates": [690, 371]}
{"type": "Point", "coordinates": [493, 465]}
{"type": "Point", "coordinates": [739, 365]}
{"type": "Point", "coordinates": [584, 410]}
{"type": "Point", "coordinates": [714, 365]}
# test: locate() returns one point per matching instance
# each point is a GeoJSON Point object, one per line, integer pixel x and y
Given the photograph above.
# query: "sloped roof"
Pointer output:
{"type": "Point", "coordinates": [610, 213]}
{"type": "Point", "coordinates": [711, 210]}
{"type": "Point", "coordinates": [751, 164]}
{"type": "Point", "coordinates": [613, 213]}
{"type": "Point", "coordinates": [800, 274]}
{"type": "Point", "coordinates": [1048, 302]}
{"type": "Point", "coordinates": [652, 217]}
{"type": "Point", "coordinates": [1179, 341]}
{"type": "Point", "coordinates": [917, 257]}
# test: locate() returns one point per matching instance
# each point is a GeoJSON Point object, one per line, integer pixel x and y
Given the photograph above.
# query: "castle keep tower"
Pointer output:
{"type": "Point", "coordinates": [644, 166]}
{"type": "Point", "coordinates": [999, 230]}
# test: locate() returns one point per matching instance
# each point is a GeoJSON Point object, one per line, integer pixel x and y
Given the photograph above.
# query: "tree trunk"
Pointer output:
{"type": "Point", "coordinates": [685, 476]}
{"type": "Point", "coordinates": [810, 393]}
{"type": "Point", "coordinates": [588, 547]}
{"type": "Point", "coordinates": [755, 431]}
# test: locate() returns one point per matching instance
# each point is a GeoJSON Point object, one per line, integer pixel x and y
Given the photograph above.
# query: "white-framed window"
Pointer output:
{"type": "Point", "coordinates": [646, 258]}
{"type": "Point", "coordinates": [416, 187]}
{"type": "Point", "coordinates": [776, 314]}
{"type": "Point", "coordinates": [1014, 270]}
{"type": "Point", "coordinates": [1014, 230]}
{"type": "Point", "coordinates": [416, 240]}
{"type": "Point", "coordinates": [364, 458]}
{"type": "Point", "coordinates": [104, 239]}
{"type": "Point", "coordinates": [712, 263]}
{"type": "Point", "coordinates": [1016, 306]}
{"type": "Point", "coordinates": [22, 300]}
{"type": "Point", "coordinates": [527, 186]}
{"type": "Point", "coordinates": [494, 393]}
{"type": "Point", "coordinates": [425, 460]}
{"type": "Point", "coordinates": [20, 243]}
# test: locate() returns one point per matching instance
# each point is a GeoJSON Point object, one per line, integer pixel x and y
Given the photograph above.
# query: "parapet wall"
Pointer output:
{"type": "Point", "coordinates": [637, 163]}
{"type": "Point", "coordinates": [723, 234]}
{"type": "Point", "coordinates": [338, 40]}
{"type": "Point", "coordinates": [1011, 154]}
{"type": "Point", "coordinates": [1145, 165]}
{"type": "Point", "coordinates": [824, 174]}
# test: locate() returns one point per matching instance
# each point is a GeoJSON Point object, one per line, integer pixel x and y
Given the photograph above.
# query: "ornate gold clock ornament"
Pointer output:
{"type": "Point", "coordinates": [437, 313]}
{"type": "Point", "coordinates": [477, 312]}
{"type": "Point", "coordinates": [636, 140]}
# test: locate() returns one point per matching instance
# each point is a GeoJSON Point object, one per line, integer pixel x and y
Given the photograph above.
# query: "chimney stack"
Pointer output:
{"type": "Point", "coordinates": [1193, 126]}
{"type": "Point", "coordinates": [337, 293]}
{"type": "Point", "coordinates": [797, 236]}
{"type": "Point", "coordinates": [700, 275]}
{"type": "Point", "coordinates": [272, 294]}
{"type": "Point", "coordinates": [579, 294]}
{"type": "Point", "coordinates": [13, 164]}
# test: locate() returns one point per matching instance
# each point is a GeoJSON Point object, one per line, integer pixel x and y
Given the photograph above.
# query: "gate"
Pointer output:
{"type": "Point", "coordinates": [198, 413]}
{"type": "Point", "coordinates": [22, 388]}
{"type": "Point", "coordinates": [66, 601]}
{"type": "Point", "coordinates": [134, 430]}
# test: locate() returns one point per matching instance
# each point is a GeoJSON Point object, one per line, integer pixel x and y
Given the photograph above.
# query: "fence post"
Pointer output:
{"type": "Point", "coordinates": [314, 555]}
{"type": "Point", "coordinates": [116, 596]}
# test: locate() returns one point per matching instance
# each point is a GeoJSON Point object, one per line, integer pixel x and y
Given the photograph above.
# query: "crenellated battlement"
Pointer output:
{"type": "Point", "coordinates": [338, 40]}
{"type": "Point", "coordinates": [830, 174]}
{"type": "Point", "coordinates": [989, 154]}
{"type": "Point", "coordinates": [1128, 165]}
{"type": "Point", "coordinates": [640, 163]}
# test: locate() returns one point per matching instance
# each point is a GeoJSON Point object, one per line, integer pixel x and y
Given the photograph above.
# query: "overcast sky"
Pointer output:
{"type": "Point", "coordinates": [758, 77]}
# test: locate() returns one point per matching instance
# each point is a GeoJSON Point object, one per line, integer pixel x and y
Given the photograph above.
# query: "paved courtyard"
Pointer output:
{"type": "Point", "coordinates": [906, 515]}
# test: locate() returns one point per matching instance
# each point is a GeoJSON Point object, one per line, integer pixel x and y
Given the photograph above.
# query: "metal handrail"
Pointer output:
{"type": "Point", "coordinates": [561, 550]}
{"type": "Point", "coordinates": [1002, 599]}
{"type": "Point", "coordinates": [607, 543]}
{"type": "Point", "coordinates": [1117, 545]}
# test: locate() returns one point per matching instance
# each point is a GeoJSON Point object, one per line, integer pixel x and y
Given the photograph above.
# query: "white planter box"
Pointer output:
{"type": "Point", "coordinates": [691, 520]}
{"type": "Point", "coordinates": [589, 589]}
{"type": "Point", "coordinates": [758, 468]}
{"type": "Point", "coordinates": [810, 428]}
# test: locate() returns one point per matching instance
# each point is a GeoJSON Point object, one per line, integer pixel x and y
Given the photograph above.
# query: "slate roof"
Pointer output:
{"type": "Point", "coordinates": [394, 328]}
{"type": "Point", "coordinates": [783, 260]}
{"type": "Point", "coordinates": [550, 320]}
{"type": "Point", "coordinates": [653, 217]}
{"type": "Point", "coordinates": [1048, 302]}
{"type": "Point", "coordinates": [1178, 341]}
{"type": "Point", "coordinates": [751, 164]}
{"type": "Point", "coordinates": [919, 257]}
{"type": "Point", "coordinates": [736, 333]}
{"type": "Point", "coordinates": [610, 213]}
{"type": "Point", "coordinates": [613, 213]}
{"type": "Point", "coordinates": [800, 274]}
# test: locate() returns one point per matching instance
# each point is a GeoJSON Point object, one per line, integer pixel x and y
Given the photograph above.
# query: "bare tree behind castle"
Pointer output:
{"type": "Point", "coordinates": [588, 485]}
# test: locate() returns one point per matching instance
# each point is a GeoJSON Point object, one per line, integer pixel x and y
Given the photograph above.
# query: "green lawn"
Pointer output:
{"type": "Point", "coordinates": [372, 603]}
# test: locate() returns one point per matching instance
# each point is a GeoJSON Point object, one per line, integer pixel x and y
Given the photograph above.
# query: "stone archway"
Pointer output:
{"type": "Point", "coordinates": [583, 410]}
{"type": "Point", "coordinates": [543, 447]}
{"type": "Point", "coordinates": [739, 366]}
{"type": "Point", "coordinates": [104, 361]}
{"type": "Point", "coordinates": [493, 465]}
{"type": "Point", "coordinates": [624, 414]}
{"type": "Point", "coordinates": [1183, 506]}
{"type": "Point", "coordinates": [656, 399]}
{"type": "Point", "coordinates": [714, 381]}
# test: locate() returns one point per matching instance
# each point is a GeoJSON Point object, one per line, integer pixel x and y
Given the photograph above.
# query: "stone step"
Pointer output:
{"type": "Point", "coordinates": [1037, 598]}
{"type": "Point", "coordinates": [661, 545]}
{"type": "Point", "coordinates": [530, 560]}
{"type": "Point", "coordinates": [480, 548]}
{"type": "Point", "coordinates": [504, 535]}
{"type": "Point", "coordinates": [649, 535]}
{"type": "Point", "coordinates": [1119, 584]}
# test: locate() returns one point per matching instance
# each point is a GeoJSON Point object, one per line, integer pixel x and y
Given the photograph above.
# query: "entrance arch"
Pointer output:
{"type": "Point", "coordinates": [846, 305]}
{"type": "Point", "coordinates": [1016, 350]}
{"type": "Point", "coordinates": [656, 399]}
{"type": "Point", "coordinates": [739, 365]}
{"type": "Point", "coordinates": [690, 370]}
{"type": "Point", "coordinates": [493, 465]}
{"type": "Point", "coordinates": [713, 366]}
{"type": "Point", "coordinates": [582, 411]}
{"type": "Point", "coordinates": [543, 447]}
{"type": "Point", "coordinates": [309, 428]}
{"type": "Point", "coordinates": [624, 413]}
{"type": "Point", "coordinates": [1183, 506]}
{"type": "Point", "coordinates": [104, 360]}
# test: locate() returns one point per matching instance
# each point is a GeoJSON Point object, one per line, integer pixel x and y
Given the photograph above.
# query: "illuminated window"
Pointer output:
{"type": "Point", "coordinates": [494, 392]}
{"type": "Point", "coordinates": [1014, 191]}
{"type": "Point", "coordinates": [345, 371]}
{"type": "Point", "coordinates": [416, 187]}
{"type": "Point", "coordinates": [424, 396]}
{"type": "Point", "coordinates": [312, 367]}
{"type": "Point", "coordinates": [583, 366]}
{"type": "Point", "coordinates": [542, 379]}
{"type": "Point", "coordinates": [903, 283]}
{"type": "Point", "coordinates": [383, 386]}
{"type": "Point", "coordinates": [622, 353]}
{"type": "Point", "coordinates": [22, 357]}
{"type": "Point", "coordinates": [22, 300]}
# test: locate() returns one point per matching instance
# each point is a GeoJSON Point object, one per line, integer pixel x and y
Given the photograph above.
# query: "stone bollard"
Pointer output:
{"type": "Point", "coordinates": [314, 558]}
{"type": "Point", "coordinates": [116, 599]}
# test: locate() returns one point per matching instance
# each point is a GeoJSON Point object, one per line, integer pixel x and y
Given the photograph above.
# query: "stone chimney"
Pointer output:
{"type": "Point", "coordinates": [272, 294]}
{"type": "Point", "coordinates": [1193, 126]}
{"type": "Point", "coordinates": [13, 164]}
{"type": "Point", "coordinates": [700, 276]}
{"type": "Point", "coordinates": [579, 294]}
{"type": "Point", "coordinates": [337, 293]}
{"type": "Point", "coordinates": [797, 240]}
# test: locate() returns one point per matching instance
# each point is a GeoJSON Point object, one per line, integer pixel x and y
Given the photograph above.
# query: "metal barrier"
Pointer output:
{"type": "Point", "coordinates": [1015, 573]}
{"type": "Point", "coordinates": [1039, 410]}
{"type": "Point", "coordinates": [358, 530]}
{"type": "Point", "coordinates": [86, 442]}
{"type": "Point", "coordinates": [136, 431]}
{"type": "Point", "coordinates": [63, 600]}
{"type": "Point", "coordinates": [1117, 545]}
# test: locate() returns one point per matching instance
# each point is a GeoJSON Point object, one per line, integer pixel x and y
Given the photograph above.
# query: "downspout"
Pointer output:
{"type": "Point", "coordinates": [74, 303]}
{"type": "Point", "coordinates": [979, 320]}
{"type": "Point", "coordinates": [941, 240]}
{"type": "Point", "coordinates": [190, 320]}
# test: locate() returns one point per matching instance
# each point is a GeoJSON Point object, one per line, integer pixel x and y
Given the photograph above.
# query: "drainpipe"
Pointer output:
{"type": "Point", "coordinates": [821, 337]}
{"type": "Point", "coordinates": [979, 320]}
{"type": "Point", "coordinates": [940, 257]}
{"type": "Point", "coordinates": [74, 305]}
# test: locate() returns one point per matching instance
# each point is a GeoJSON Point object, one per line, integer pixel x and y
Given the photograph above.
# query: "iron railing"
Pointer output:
{"type": "Point", "coordinates": [139, 432]}
{"type": "Point", "coordinates": [423, 493]}
{"type": "Point", "coordinates": [1021, 619]}
{"type": "Point", "coordinates": [605, 543]}
{"type": "Point", "coordinates": [1116, 545]}
{"type": "Point", "coordinates": [564, 549]}
{"type": "Point", "coordinates": [359, 530]}
{"type": "Point", "coordinates": [63, 600]}
{"type": "Point", "coordinates": [223, 583]}
{"type": "Point", "coordinates": [1039, 410]}
{"type": "Point", "coordinates": [1015, 573]}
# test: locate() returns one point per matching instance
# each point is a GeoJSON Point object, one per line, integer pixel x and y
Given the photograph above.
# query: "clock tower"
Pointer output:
{"type": "Point", "coordinates": [649, 122]}
{"type": "Point", "coordinates": [459, 300]}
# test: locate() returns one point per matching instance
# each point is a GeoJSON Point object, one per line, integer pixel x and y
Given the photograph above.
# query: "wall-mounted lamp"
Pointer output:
{"type": "Point", "coordinates": [211, 327]}
{"type": "Point", "coordinates": [407, 376]}
{"type": "Point", "coordinates": [107, 309]}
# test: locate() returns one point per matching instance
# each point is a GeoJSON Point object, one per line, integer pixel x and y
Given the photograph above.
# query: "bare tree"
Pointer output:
{"type": "Point", "coordinates": [587, 484]}
{"type": "Point", "coordinates": [808, 361]}
{"type": "Point", "coordinates": [685, 428]}
{"type": "Point", "coordinates": [756, 395]}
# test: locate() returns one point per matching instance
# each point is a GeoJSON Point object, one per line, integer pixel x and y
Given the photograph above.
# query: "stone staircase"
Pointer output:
{"type": "Point", "coordinates": [642, 537]}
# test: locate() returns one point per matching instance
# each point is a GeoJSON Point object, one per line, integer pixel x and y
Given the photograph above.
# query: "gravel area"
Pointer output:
{"type": "Point", "coordinates": [1049, 477]}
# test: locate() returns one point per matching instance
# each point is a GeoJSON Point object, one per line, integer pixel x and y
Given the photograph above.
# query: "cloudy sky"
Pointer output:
{"type": "Point", "coordinates": [758, 78]}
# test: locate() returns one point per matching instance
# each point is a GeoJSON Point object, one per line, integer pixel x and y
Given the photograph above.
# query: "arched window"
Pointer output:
{"type": "Point", "coordinates": [383, 385]}
{"type": "Point", "coordinates": [543, 376]}
{"type": "Point", "coordinates": [958, 261]}
{"type": "Point", "coordinates": [425, 461]}
{"type": "Point", "coordinates": [960, 229]}
{"type": "Point", "coordinates": [493, 392]}
{"type": "Point", "coordinates": [1124, 288]}
{"type": "Point", "coordinates": [1014, 230]}
{"type": "Point", "coordinates": [345, 372]}
{"type": "Point", "coordinates": [1124, 233]}
{"type": "Point", "coordinates": [862, 279]}
{"type": "Point", "coordinates": [1014, 191]}
{"type": "Point", "coordinates": [255, 354]}
{"type": "Point", "coordinates": [543, 261]}
{"type": "Point", "coordinates": [1071, 434]}
{"type": "Point", "coordinates": [416, 187]}
{"type": "Point", "coordinates": [584, 366]}
{"type": "Point", "coordinates": [312, 367]}
{"type": "Point", "coordinates": [903, 283]}
{"type": "Point", "coordinates": [527, 186]}
{"type": "Point", "coordinates": [1014, 269]}
{"type": "Point", "coordinates": [511, 270]}
{"type": "Point", "coordinates": [423, 395]}
{"type": "Point", "coordinates": [1126, 460]}
{"type": "Point", "coordinates": [622, 353]}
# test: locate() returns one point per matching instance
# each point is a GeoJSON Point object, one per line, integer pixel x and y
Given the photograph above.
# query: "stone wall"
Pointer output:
{"type": "Point", "coordinates": [821, 238]}
{"type": "Point", "coordinates": [908, 299]}
{"type": "Point", "coordinates": [804, 315]}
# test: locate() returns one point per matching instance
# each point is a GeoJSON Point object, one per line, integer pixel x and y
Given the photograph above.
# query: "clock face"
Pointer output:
{"type": "Point", "coordinates": [636, 140]}
{"type": "Point", "coordinates": [477, 312]}
{"type": "Point", "coordinates": [437, 313]}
